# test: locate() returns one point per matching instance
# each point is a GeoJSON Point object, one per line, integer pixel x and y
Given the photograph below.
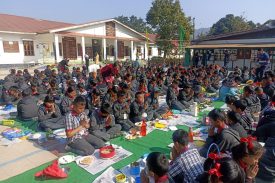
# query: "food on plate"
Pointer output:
{"type": "Point", "coordinates": [161, 124]}
{"type": "Point", "coordinates": [107, 152]}
{"type": "Point", "coordinates": [120, 178]}
{"type": "Point", "coordinates": [86, 160]}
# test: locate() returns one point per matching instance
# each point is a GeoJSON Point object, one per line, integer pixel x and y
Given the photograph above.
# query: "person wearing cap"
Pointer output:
{"type": "Point", "coordinates": [172, 97]}
{"type": "Point", "coordinates": [121, 110]}
{"type": "Point", "coordinates": [49, 115]}
{"type": "Point", "coordinates": [27, 108]}
{"type": "Point", "coordinates": [102, 123]}
{"type": "Point", "coordinates": [186, 162]}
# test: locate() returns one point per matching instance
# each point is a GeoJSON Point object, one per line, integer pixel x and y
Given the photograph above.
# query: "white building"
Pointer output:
{"type": "Point", "coordinates": [26, 40]}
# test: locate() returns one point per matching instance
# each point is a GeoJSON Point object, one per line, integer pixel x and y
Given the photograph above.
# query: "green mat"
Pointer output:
{"type": "Point", "coordinates": [155, 141]}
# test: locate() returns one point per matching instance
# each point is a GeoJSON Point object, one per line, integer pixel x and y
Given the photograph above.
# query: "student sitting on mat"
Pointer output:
{"type": "Point", "coordinates": [121, 110]}
{"type": "Point", "coordinates": [138, 107]}
{"type": "Point", "coordinates": [49, 115]}
{"type": "Point", "coordinates": [186, 162]}
{"type": "Point", "coordinates": [27, 108]}
{"type": "Point", "coordinates": [66, 102]}
{"type": "Point", "coordinates": [156, 170]}
{"type": "Point", "coordinates": [219, 133]}
{"type": "Point", "coordinates": [246, 118]}
{"type": "Point", "coordinates": [102, 123]}
{"type": "Point", "coordinates": [77, 125]}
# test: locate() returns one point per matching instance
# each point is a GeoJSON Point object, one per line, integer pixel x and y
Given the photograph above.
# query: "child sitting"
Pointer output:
{"type": "Point", "coordinates": [49, 115]}
{"type": "Point", "coordinates": [186, 162]}
{"type": "Point", "coordinates": [229, 100]}
{"type": "Point", "coordinates": [27, 108]}
{"type": "Point", "coordinates": [66, 102]}
{"type": "Point", "coordinates": [264, 99]}
{"type": "Point", "coordinates": [76, 125]}
{"type": "Point", "coordinates": [102, 123]}
{"type": "Point", "coordinates": [81, 90]}
{"type": "Point", "coordinates": [253, 102]}
{"type": "Point", "coordinates": [221, 170]}
{"type": "Point", "coordinates": [121, 110]}
{"type": "Point", "coordinates": [219, 133]}
{"type": "Point", "coordinates": [234, 121]}
{"type": "Point", "coordinates": [247, 155]}
{"type": "Point", "coordinates": [156, 170]}
{"type": "Point", "coordinates": [246, 118]}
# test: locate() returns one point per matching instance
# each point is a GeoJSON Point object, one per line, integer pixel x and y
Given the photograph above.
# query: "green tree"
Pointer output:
{"type": "Point", "coordinates": [231, 23]}
{"type": "Point", "coordinates": [135, 23]}
{"type": "Point", "coordinates": [166, 17]}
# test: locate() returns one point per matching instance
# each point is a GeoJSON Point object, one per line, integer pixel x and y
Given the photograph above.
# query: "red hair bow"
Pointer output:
{"type": "Point", "coordinates": [214, 156]}
{"type": "Point", "coordinates": [249, 140]}
{"type": "Point", "coordinates": [215, 170]}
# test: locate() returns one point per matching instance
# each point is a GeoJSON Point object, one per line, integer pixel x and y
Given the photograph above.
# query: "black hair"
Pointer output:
{"type": "Point", "coordinates": [14, 88]}
{"type": "Point", "coordinates": [216, 114]}
{"type": "Point", "coordinates": [230, 170]}
{"type": "Point", "coordinates": [248, 89]}
{"type": "Point", "coordinates": [242, 150]}
{"type": "Point", "coordinates": [259, 89]}
{"type": "Point", "coordinates": [230, 99]}
{"type": "Point", "coordinates": [49, 99]}
{"type": "Point", "coordinates": [80, 85]}
{"type": "Point", "coordinates": [181, 137]}
{"type": "Point", "coordinates": [238, 79]}
{"type": "Point", "coordinates": [157, 163]}
{"type": "Point", "coordinates": [138, 93]}
{"type": "Point", "coordinates": [106, 108]}
{"type": "Point", "coordinates": [79, 99]}
{"type": "Point", "coordinates": [121, 94]}
{"type": "Point", "coordinates": [26, 92]}
{"type": "Point", "coordinates": [70, 89]}
{"type": "Point", "coordinates": [96, 92]}
{"type": "Point", "coordinates": [240, 104]}
{"type": "Point", "coordinates": [234, 117]}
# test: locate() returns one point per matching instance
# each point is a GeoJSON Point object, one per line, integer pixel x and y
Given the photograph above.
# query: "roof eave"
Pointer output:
{"type": "Point", "coordinates": [13, 32]}
{"type": "Point", "coordinates": [98, 22]}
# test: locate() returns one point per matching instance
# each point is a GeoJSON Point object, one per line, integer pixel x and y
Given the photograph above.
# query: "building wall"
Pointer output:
{"type": "Point", "coordinates": [18, 58]}
{"type": "Point", "coordinates": [124, 32]}
{"type": "Point", "coordinates": [98, 29]}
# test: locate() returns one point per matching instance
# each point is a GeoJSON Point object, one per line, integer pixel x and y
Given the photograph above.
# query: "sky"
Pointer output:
{"type": "Point", "coordinates": [206, 12]}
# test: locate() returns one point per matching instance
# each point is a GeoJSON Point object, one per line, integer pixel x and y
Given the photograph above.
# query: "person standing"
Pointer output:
{"type": "Point", "coordinates": [87, 61]}
{"type": "Point", "coordinates": [226, 57]}
{"type": "Point", "coordinates": [263, 61]}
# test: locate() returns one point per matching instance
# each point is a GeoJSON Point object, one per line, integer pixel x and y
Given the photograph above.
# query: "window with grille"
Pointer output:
{"type": "Point", "coordinates": [28, 48]}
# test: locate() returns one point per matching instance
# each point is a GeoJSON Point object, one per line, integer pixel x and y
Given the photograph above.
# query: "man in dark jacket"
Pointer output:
{"type": "Point", "coordinates": [266, 172]}
{"type": "Point", "coordinates": [27, 108]}
{"type": "Point", "coordinates": [49, 115]}
{"type": "Point", "coordinates": [225, 137]}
